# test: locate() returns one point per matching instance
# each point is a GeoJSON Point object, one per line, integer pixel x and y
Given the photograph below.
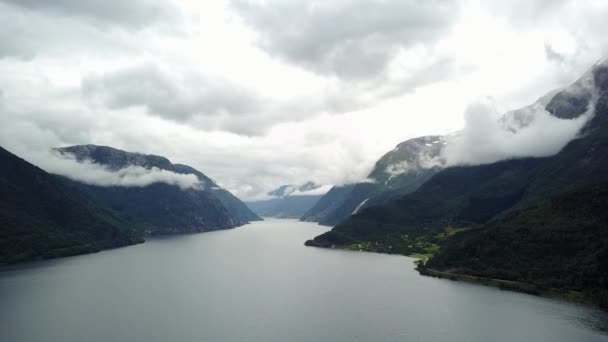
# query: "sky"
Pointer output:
{"type": "Point", "coordinates": [256, 94]}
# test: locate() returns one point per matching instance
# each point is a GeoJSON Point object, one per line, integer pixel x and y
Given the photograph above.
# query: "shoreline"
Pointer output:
{"type": "Point", "coordinates": [570, 296]}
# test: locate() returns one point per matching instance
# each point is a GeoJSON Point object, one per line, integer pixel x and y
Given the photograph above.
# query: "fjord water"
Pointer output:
{"type": "Point", "coordinates": [260, 283]}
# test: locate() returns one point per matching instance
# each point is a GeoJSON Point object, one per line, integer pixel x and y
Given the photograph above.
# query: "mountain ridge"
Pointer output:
{"type": "Point", "coordinates": [466, 203]}
{"type": "Point", "coordinates": [397, 172]}
{"type": "Point", "coordinates": [162, 208]}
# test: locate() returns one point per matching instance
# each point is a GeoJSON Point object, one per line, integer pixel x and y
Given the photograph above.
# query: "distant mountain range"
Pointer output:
{"type": "Point", "coordinates": [289, 201]}
{"type": "Point", "coordinates": [534, 220]}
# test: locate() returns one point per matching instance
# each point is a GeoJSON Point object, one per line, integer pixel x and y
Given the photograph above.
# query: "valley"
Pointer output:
{"type": "Point", "coordinates": [332, 171]}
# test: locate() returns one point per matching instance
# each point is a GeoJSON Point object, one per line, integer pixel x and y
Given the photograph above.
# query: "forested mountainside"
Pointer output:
{"type": "Point", "coordinates": [560, 243]}
{"type": "Point", "coordinates": [160, 207]}
{"type": "Point", "coordinates": [460, 209]}
{"type": "Point", "coordinates": [40, 217]}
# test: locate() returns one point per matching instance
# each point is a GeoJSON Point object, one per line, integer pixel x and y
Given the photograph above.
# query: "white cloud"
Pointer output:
{"type": "Point", "coordinates": [352, 40]}
{"type": "Point", "coordinates": [91, 173]}
{"type": "Point", "coordinates": [398, 168]}
{"type": "Point", "coordinates": [216, 88]}
{"type": "Point", "coordinates": [322, 190]}
{"type": "Point", "coordinates": [485, 139]}
{"type": "Point", "coordinates": [132, 14]}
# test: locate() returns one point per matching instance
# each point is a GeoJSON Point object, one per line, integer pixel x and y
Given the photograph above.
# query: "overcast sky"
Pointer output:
{"type": "Point", "coordinates": [258, 94]}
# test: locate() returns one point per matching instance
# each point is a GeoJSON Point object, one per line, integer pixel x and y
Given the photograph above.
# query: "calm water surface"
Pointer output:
{"type": "Point", "coordinates": [259, 283]}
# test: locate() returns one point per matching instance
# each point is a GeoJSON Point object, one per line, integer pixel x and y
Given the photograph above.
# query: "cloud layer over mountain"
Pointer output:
{"type": "Point", "coordinates": [95, 174]}
{"type": "Point", "coordinates": [485, 139]}
{"type": "Point", "coordinates": [259, 93]}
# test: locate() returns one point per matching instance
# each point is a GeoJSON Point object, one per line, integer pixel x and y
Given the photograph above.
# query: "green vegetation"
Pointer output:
{"type": "Point", "coordinates": [473, 196]}
{"type": "Point", "coordinates": [421, 247]}
{"type": "Point", "coordinates": [41, 218]}
{"type": "Point", "coordinates": [536, 220]}
{"type": "Point", "coordinates": [160, 208]}
{"type": "Point", "coordinates": [235, 206]}
{"type": "Point", "coordinates": [560, 244]}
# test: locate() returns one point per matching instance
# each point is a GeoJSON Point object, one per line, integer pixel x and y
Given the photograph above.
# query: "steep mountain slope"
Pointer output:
{"type": "Point", "coordinates": [328, 203]}
{"type": "Point", "coordinates": [160, 207]}
{"type": "Point", "coordinates": [535, 220]}
{"type": "Point", "coordinates": [234, 205]}
{"type": "Point", "coordinates": [339, 204]}
{"type": "Point", "coordinates": [42, 218]}
{"type": "Point", "coordinates": [398, 172]}
{"type": "Point", "coordinates": [290, 201]}
{"type": "Point", "coordinates": [457, 197]}
{"type": "Point", "coordinates": [470, 196]}
{"type": "Point", "coordinates": [561, 243]}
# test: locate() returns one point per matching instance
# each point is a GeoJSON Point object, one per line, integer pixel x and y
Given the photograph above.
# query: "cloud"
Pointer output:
{"type": "Point", "coordinates": [257, 95]}
{"type": "Point", "coordinates": [95, 174]}
{"type": "Point", "coordinates": [213, 103]}
{"type": "Point", "coordinates": [398, 168]}
{"type": "Point", "coordinates": [485, 139]}
{"type": "Point", "coordinates": [322, 190]}
{"type": "Point", "coordinates": [525, 12]}
{"type": "Point", "coordinates": [27, 34]}
{"type": "Point", "coordinates": [553, 55]}
{"type": "Point", "coordinates": [171, 96]}
{"type": "Point", "coordinates": [134, 14]}
{"type": "Point", "coordinates": [423, 161]}
{"type": "Point", "coordinates": [350, 39]}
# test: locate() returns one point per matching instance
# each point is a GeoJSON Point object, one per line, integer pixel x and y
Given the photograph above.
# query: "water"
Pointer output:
{"type": "Point", "coordinates": [259, 283]}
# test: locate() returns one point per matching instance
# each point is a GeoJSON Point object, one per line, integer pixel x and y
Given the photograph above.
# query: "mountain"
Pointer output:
{"type": "Point", "coordinates": [287, 207]}
{"type": "Point", "coordinates": [40, 217]}
{"type": "Point", "coordinates": [160, 207]}
{"type": "Point", "coordinates": [288, 201]}
{"type": "Point", "coordinates": [413, 162]}
{"type": "Point", "coordinates": [234, 205]}
{"type": "Point", "coordinates": [480, 215]}
{"type": "Point", "coordinates": [398, 172]}
{"type": "Point", "coordinates": [560, 243]}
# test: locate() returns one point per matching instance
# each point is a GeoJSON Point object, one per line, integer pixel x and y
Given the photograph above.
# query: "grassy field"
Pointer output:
{"type": "Point", "coordinates": [420, 247]}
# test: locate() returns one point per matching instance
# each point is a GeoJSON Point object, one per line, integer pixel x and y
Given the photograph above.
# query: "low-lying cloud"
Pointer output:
{"type": "Point", "coordinates": [253, 102]}
{"type": "Point", "coordinates": [485, 139]}
{"type": "Point", "coordinates": [423, 161]}
{"type": "Point", "coordinates": [91, 173]}
{"type": "Point", "coordinates": [322, 190]}
{"type": "Point", "coordinates": [398, 168]}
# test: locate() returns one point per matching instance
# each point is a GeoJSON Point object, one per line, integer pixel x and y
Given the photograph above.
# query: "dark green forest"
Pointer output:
{"type": "Point", "coordinates": [42, 218]}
